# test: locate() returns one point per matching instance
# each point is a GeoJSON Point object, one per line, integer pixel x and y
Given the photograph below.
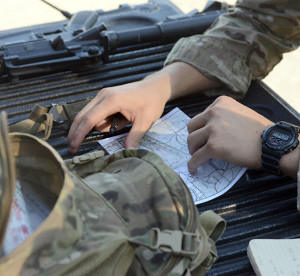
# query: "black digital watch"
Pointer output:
{"type": "Point", "coordinates": [277, 140]}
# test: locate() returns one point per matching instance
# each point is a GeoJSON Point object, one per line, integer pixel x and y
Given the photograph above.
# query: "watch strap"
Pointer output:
{"type": "Point", "coordinates": [270, 161]}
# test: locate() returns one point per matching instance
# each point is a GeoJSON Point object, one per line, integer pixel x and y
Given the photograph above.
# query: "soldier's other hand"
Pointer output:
{"type": "Point", "coordinates": [226, 130]}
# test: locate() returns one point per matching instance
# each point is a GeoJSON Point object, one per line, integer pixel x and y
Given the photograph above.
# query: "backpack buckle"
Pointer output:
{"type": "Point", "coordinates": [176, 242]}
{"type": "Point", "coordinates": [82, 159]}
{"type": "Point", "coordinates": [58, 113]}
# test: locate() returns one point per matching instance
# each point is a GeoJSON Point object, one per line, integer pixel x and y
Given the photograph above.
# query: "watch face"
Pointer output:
{"type": "Point", "coordinates": [279, 137]}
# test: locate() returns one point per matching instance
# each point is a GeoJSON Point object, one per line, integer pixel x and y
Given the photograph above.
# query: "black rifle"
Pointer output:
{"type": "Point", "coordinates": [89, 37]}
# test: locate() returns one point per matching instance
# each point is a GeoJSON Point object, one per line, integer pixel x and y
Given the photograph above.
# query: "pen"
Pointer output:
{"type": "Point", "coordinates": [114, 124]}
{"type": "Point", "coordinates": [116, 120]}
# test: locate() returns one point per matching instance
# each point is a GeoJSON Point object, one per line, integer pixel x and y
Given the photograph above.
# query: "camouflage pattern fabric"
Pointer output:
{"type": "Point", "coordinates": [148, 196]}
{"type": "Point", "coordinates": [122, 214]}
{"type": "Point", "coordinates": [7, 177]}
{"type": "Point", "coordinates": [72, 240]}
{"type": "Point", "coordinates": [244, 44]}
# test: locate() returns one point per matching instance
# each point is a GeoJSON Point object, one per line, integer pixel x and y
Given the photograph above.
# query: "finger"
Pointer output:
{"type": "Point", "coordinates": [201, 119]}
{"type": "Point", "coordinates": [198, 158]}
{"type": "Point", "coordinates": [135, 135]}
{"type": "Point", "coordinates": [197, 122]}
{"type": "Point", "coordinates": [79, 135]}
{"type": "Point", "coordinates": [86, 124]}
{"type": "Point", "coordinates": [81, 115]}
{"type": "Point", "coordinates": [103, 126]}
{"type": "Point", "coordinates": [197, 140]}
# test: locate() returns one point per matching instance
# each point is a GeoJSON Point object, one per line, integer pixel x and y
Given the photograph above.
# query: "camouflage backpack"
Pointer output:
{"type": "Point", "coordinates": [123, 214]}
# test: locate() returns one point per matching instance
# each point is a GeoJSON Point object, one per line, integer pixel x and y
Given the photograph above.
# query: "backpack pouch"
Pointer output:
{"type": "Point", "coordinates": [81, 235]}
{"type": "Point", "coordinates": [147, 194]}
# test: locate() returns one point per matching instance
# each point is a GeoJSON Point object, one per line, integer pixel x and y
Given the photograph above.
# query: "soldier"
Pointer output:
{"type": "Point", "coordinates": [241, 46]}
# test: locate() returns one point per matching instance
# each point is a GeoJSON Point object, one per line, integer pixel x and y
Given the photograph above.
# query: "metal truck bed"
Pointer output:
{"type": "Point", "coordinates": [258, 206]}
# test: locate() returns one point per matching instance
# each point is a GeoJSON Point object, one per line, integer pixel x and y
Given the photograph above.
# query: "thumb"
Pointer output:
{"type": "Point", "coordinates": [133, 139]}
{"type": "Point", "coordinates": [135, 135]}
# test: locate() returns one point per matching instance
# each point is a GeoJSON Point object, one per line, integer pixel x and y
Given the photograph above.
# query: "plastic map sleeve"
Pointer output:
{"type": "Point", "coordinates": [31, 206]}
{"type": "Point", "coordinates": [168, 138]}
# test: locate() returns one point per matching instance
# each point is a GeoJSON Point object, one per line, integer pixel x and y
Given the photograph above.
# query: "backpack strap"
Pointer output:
{"type": "Point", "coordinates": [214, 226]}
{"type": "Point", "coordinates": [43, 119]}
{"type": "Point", "coordinates": [186, 246]}
{"type": "Point", "coordinates": [39, 120]}
{"type": "Point", "coordinates": [84, 158]}
{"type": "Point", "coordinates": [176, 242]}
{"type": "Point", "coordinates": [197, 249]}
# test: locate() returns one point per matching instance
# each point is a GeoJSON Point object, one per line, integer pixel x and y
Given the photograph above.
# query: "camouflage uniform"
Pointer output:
{"type": "Point", "coordinates": [243, 45]}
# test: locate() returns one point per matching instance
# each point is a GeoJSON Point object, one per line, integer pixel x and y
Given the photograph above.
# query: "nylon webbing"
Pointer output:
{"type": "Point", "coordinates": [43, 119]}
{"type": "Point", "coordinates": [202, 252]}
{"type": "Point", "coordinates": [213, 224]}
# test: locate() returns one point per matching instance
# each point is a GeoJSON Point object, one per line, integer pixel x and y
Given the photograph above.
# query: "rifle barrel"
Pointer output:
{"type": "Point", "coordinates": [165, 31]}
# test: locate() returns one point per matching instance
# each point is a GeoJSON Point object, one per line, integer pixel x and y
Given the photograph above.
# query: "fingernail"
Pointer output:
{"type": "Point", "coordinates": [72, 147]}
{"type": "Point", "coordinates": [191, 170]}
{"type": "Point", "coordinates": [72, 150]}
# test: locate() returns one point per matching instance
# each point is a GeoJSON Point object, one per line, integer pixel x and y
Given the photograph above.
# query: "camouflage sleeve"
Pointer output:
{"type": "Point", "coordinates": [243, 44]}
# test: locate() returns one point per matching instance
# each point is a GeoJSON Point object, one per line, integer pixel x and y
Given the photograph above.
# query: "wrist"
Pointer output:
{"type": "Point", "coordinates": [160, 84]}
{"type": "Point", "coordinates": [289, 163]}
{"type": "Point", "coordinates": [280, 149]}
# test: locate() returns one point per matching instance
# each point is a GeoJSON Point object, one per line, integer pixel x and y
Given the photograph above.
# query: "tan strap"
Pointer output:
{"type": "Point", "coordinates": [43, 119]}
{"type": "Point", "coordinates": [72, 109]}
{"type": "Point", "coordinates": [197, 250]}
{"type": "Point", "coordinates": [84, 158]}
{"type": "Point", "coordinates": [39, 120]}
{"type": "Point", "coordinates": [213, 224]}
{"type": "Point", "coordinates": [191, 247]}
{"type": "Point", "coordinates": [176, 242]}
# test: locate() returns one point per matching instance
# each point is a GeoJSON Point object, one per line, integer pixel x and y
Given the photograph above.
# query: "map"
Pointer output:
{"type": "Point", "coordinates": [168, 138]}
{"type": "Point", "coordinates": [31, 206]}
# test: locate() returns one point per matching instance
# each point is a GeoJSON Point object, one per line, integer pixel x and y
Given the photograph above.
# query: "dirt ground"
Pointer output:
{"type": "Point", "coordinates": [284, 79]}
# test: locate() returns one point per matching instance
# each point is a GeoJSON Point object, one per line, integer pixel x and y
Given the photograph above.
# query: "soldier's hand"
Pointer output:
{"type": "Point", "coordinates": [140, 103]}
{"type": "Point", "coordinates": [226, 130]}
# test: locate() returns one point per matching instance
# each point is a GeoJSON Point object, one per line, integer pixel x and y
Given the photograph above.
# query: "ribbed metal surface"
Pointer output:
{"type": "Point", "coordinates": [258, 206]}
